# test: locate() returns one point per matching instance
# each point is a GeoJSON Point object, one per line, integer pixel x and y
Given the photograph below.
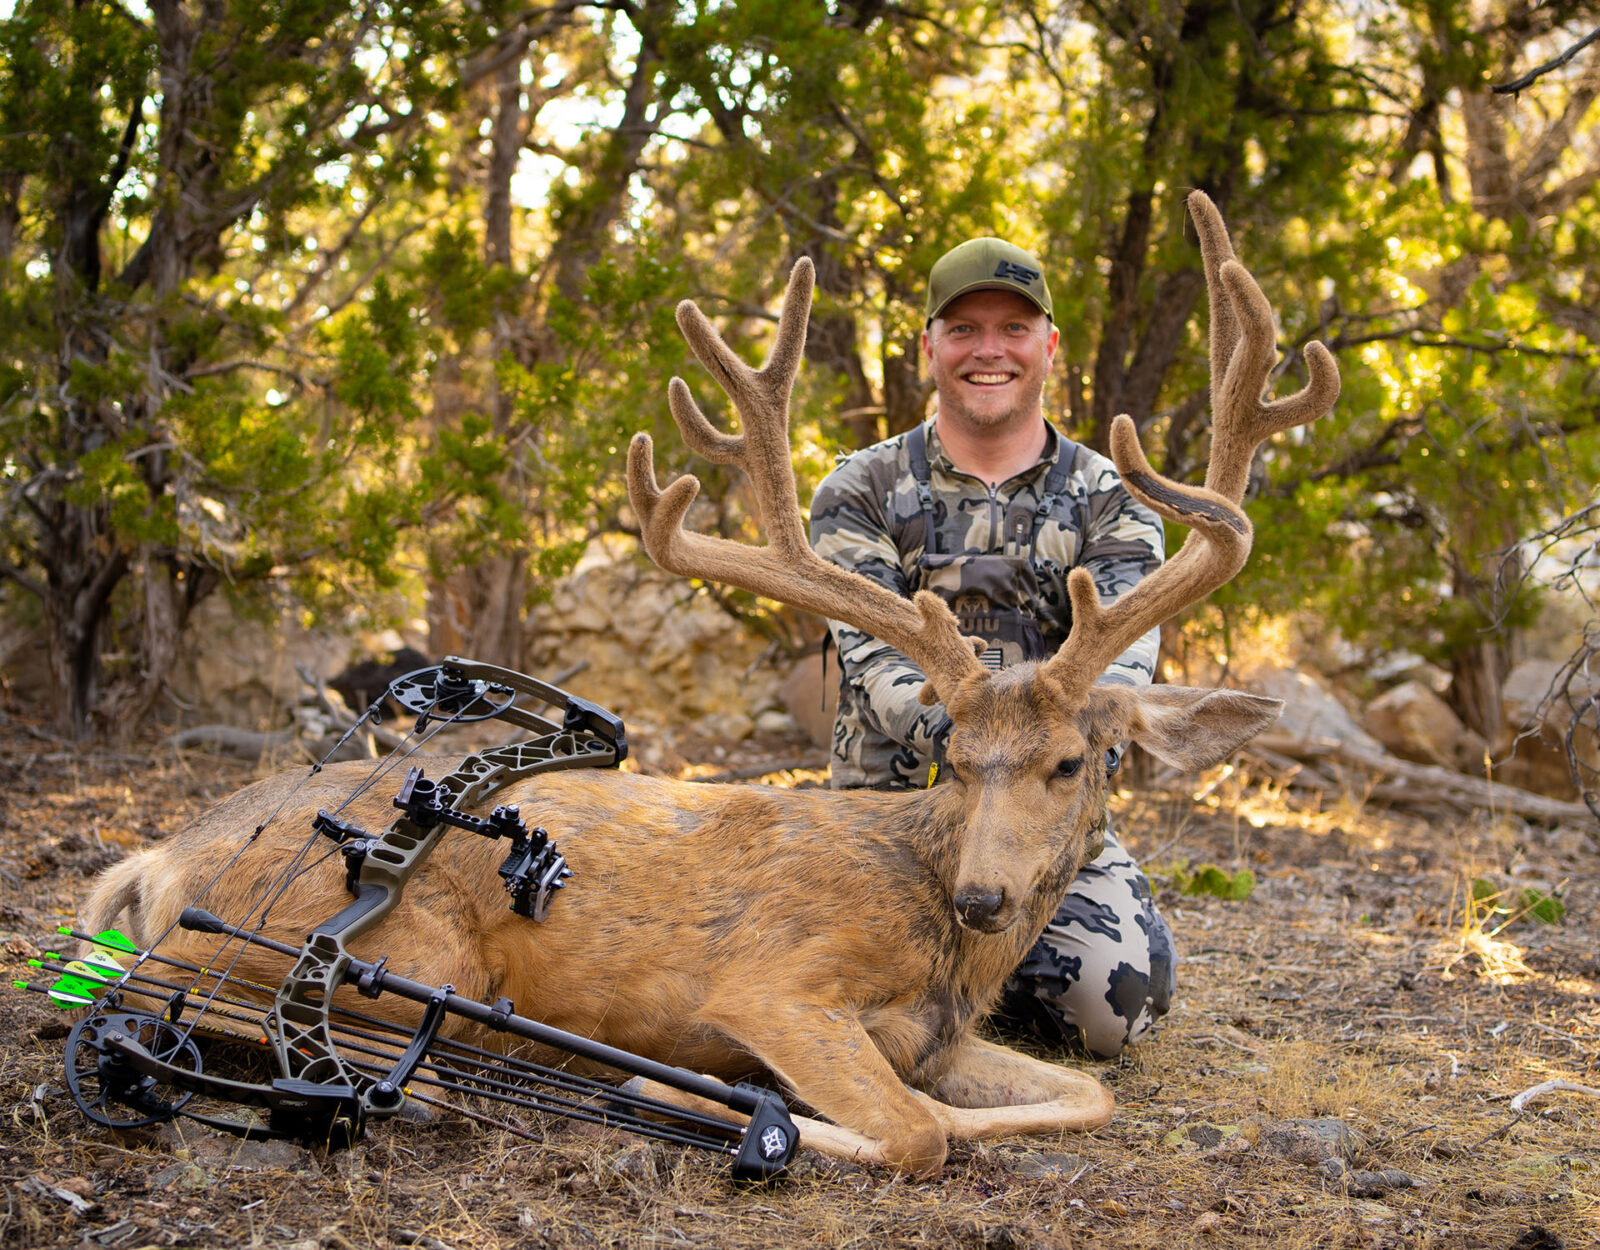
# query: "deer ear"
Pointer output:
{"type": "Point", "coordinates": [1191, 728]}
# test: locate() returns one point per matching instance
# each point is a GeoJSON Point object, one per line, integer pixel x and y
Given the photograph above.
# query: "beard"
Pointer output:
{"type": "Point", "coordinates": [1022, 400]}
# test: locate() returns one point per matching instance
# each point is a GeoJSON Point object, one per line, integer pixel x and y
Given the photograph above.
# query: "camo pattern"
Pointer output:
{"type": "Point", "coordinates": [1103, 970]}
{"type": "Point", "coordinates": [866, 517]}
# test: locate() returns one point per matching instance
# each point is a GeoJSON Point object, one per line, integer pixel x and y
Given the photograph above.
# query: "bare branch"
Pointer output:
{"type": "Point", "coordinates": [1419, 338]}
{"type": "Point", "coordinates": [1538, 72]}
{"type": "Point", "coordinates": [262, 366]}
{"type": "Point", "coordinates": [31, 586]}
{"type": "Point", "coordinates": [1375, 455]}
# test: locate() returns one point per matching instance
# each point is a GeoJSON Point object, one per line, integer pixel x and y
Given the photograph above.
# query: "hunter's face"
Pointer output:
{"type": "Point", "coordinates": [989, 353]}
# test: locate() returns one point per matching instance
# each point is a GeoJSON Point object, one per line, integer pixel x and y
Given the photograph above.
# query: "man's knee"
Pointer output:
{"type": "Point", "coordinates": [1100, 1014]}
{"type": "Point", "coordinates": [1103, 971]}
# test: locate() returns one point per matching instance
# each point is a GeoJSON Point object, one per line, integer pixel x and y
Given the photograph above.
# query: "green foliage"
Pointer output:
{"type": "Point", "coordinates": [1503, 906]}
{"type": "Point", "coordinates": [261, 326]}
{"type": "Point", "coordinates": [1209, 879]}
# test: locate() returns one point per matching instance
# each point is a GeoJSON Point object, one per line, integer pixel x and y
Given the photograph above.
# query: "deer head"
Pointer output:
{"type": "Point", "coordinates": [1024, 753]}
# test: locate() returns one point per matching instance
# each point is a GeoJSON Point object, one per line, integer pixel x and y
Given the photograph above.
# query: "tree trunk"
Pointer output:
{"type": "Point", "coordinates": [170, 592]}
{"type": "Point", "coordinates": [77, 610]}
{"type": "Point", "coordinates": [831, 341]}
{"type": "Point", "coordinates": [1477, 675]}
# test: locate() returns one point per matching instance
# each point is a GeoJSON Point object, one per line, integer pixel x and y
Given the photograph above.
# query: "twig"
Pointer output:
{"type": "Point", "coordinates": [1539, 71]}
{"type": "Point", "coordinates": [341, 718]}
{"type": "Point", "coordinates": [1547, 1087]}
{"type": "Point", "coordinates": [405, 1237]}
{"type": "Point", "coordinates": [247, 743]}
{"type": "Point", "coordinates": [1565, 1037]}
{"type": "Point", "coordinates": [45, 1189]}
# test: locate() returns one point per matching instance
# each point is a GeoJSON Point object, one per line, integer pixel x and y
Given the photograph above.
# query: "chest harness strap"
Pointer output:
{"type": "Point", "coordinates": [922, 473]}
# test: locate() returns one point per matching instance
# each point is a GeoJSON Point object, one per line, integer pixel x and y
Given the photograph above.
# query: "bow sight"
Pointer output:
{"type": "Point", "coordinates": [318, 1071]}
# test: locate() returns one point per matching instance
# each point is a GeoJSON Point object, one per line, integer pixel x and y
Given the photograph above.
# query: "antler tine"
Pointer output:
{"type": "Point", "coordinates": [755, 393]}
{"type": "Point", "coordinates": [786, 569]}
{"type": "Point", "coordinates": [1243, 349]}
{"type": "Point", "coordinates": [1216, 549]}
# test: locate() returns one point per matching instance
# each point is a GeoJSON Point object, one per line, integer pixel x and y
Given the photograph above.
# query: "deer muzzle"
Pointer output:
{"type": "Point", "coordinates": [983, 911]}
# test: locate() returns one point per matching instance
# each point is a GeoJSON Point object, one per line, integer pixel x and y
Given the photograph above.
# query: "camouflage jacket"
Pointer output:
{"type": "Point", "coordinates": [866, 517]}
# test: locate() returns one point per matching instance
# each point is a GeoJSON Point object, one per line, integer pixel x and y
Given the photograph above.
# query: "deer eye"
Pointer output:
{"type": "Point", "coordinates": [1069, 768]}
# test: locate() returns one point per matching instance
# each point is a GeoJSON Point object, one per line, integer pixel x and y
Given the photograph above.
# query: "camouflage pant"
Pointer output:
{"type": "Point", "coordinates": [1103, 970]}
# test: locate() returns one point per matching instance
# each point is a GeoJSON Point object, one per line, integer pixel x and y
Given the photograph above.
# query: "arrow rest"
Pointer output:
{"type": "Point", "coordinates": [323, 1071]}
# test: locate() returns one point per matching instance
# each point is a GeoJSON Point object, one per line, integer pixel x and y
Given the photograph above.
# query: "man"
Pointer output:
{"type": "Point", "coordinates": [988, 505]}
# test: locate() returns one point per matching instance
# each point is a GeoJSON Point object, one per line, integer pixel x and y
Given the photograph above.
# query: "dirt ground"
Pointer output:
{"type": "Point", "coordinates": [1358, 1003]}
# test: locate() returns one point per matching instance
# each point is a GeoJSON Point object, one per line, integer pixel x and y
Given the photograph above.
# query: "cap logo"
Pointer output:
{"type": "Point", "coordinates": [1017, 273]}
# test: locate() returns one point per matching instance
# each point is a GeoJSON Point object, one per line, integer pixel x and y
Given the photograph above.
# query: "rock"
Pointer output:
{"type": "Point", "coordinates": [654, 647]}
{"type": "Point", "coordinates": [1398, 666]}
{"type": "Point", "coordinates": [579, 1185]}
{"type": "Point", "coordinates": [1372, 1212]}
{"type": "Point", "coordinates": [1374, 1184]}
{"type": "Point", "coordinates": [1208, 1223]}
{"type": "Point", "coordinates": [987, 1237]}
{"type": "Point", "coordinates": [1500, 1195]}
{"type": "Point", "coordinates": [20, 948]}
{"type": "Point", "coordinates": [1531, 751]}
{"type": "Point", "coordinates": [810, 693]}
{"type": "Point", "coordinates": [1200, 1135]}
{"type": "Point", "coordinates": [1543, 1166]}
{"type": "Point", "coordinates": [214, 1149]}
{"type": "Point", "coordinates": [1310, 1141]}
{"type": "Point", "coordinates": [728, 726]}
{"type": "Point", "coordinates": [1311, 710]}
{"type": "Point", "coordinates": [1417, 724]}
{"type": "Point", "coordinates": [636, 1163]}
{"type": "Point", "coordinates": [775, 722]}
{"type": "Point", "coordinates": [184, 1175]}
{"type": "Point", "coordinates": [1538, 1237]}
{"type": "Point", "coordinates": [269, 1156]}
{"type": "Point", "coordinates": [245, 674]}
{"type": "Point", "coordinates": [1047, 1163]}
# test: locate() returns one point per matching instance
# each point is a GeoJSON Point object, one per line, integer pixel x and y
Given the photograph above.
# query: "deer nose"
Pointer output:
{"type": "Point", "coordinates": [977, 909]}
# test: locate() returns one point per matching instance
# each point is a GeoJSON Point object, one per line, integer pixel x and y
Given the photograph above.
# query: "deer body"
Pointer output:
{"type": "Point", "coordinates": [843, 943]}
{"type": "Point", "coordinates": [740, 931]}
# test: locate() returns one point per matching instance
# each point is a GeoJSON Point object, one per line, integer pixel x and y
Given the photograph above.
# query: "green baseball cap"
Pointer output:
{"type": "Point", "coordinates": [986, 265]}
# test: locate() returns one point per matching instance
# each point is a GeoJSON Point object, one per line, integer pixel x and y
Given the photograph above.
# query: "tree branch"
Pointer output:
{"type": "Point", "coordinates": [262, 366]}
{"type": "Point", "coordinates": [1418, 338]}
{"type": "Point", "coordinates": [1538, 72]}
{"type": "Point", "coordinates": [34, 588]}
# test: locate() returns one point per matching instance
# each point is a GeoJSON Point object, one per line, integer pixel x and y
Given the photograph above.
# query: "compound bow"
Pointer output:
{"type": "Point", "coordinates": [335, 1069]}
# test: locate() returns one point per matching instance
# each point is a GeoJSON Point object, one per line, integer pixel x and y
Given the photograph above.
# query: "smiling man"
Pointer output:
{"type": "Point", "coordinates": [986, 504]}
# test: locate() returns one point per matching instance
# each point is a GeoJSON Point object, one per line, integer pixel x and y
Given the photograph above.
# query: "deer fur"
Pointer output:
{"type": "Point", "coordinates": [843, 944]}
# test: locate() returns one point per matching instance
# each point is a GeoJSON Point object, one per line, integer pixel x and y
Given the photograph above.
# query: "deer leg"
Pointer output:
{"type": "Point", "coordinates": [818, 1135]}
{"type": "Point", "coordinates": [988, 1090]}
{"type": "Point", "coordinates": [829, 1061]}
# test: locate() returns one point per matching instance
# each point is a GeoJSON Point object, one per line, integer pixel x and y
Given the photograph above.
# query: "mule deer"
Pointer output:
{"type": "Point", "coordinates": [842, 943]}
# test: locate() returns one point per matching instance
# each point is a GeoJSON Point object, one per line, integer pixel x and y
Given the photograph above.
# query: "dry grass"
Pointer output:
{"type": "Point", "coordinates": [1362, 981]}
